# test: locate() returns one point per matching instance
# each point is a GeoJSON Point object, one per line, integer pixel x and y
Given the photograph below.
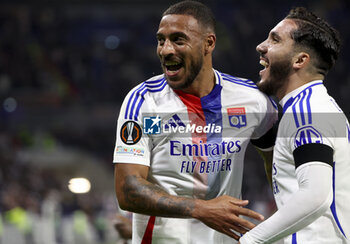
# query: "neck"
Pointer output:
{"type": "Point", "coordinates": [294, 82]}
{"type": "Point", "coordinates": [203, 84]}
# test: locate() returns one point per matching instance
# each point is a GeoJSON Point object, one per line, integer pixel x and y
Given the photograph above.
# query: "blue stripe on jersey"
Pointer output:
{"type": "Point", "coordinates": [274, 104]}
{"type": "Point", "coordinates": [308, 105]}
{"type": "Point", "coordinates": [288, 104]}
{"type": "Point", "coordinates": [333, 207]}
{"type": "Point", "coordinates": [347, 126]}
{"type": "Point", "coordinates": [137, 96]}
{"type": "Point", "coordinates": [132, 100]}
{"type": "Point", "coordinates": [239, 81]}
{"type": "Point", "coordinates": [308, 87]}
{"type": "Point", "coordinates": [295, 112]}
{"type": "Point", "coordinates": [211, 106]}
{"type": "Point", "coordinates": [292, 99]}
{"type": "Point", "coordinates": [300, 99]}
{"type": "Point", "coordinates": [136, 91]}
{"type": "Point", "coordinates": [163, 84]}
{"type": "Point", "coordinates": [301, 107]}
{"type": "Point", "coordinates": [294, 238]}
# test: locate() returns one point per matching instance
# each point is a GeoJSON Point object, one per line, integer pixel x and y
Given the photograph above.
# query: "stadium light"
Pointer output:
{"type": "Point", "coordinates": [79, 185]}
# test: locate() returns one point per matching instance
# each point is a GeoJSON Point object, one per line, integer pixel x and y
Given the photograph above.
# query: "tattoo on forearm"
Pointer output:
{"type": "Point", "coordinates": [147, 198]}
{"type": "Point", "coordinates": [182, 207]}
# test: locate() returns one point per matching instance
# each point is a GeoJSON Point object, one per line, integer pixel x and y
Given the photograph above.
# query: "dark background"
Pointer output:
{"type": "Point", "coordinates": [66, 66]}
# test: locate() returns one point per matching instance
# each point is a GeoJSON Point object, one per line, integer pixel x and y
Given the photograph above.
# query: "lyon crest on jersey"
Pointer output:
{"type": "Point", "coordinates": [237, 117]}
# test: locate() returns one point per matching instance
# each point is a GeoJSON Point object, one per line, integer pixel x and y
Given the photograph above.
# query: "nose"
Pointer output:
{"type": "Point", "coordinates": [261, 48]}
{"type": "Point", "coordinates": [166, 49]}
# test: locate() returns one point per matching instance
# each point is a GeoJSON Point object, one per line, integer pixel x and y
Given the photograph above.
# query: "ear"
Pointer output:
{"type": "Point", "coordinates": [210, 43]}
{"type": "Point", "coordinates": [301, 60]}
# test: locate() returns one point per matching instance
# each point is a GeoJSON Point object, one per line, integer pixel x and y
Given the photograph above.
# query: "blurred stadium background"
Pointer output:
{"type": "Point", "coordinates": [65, 67]}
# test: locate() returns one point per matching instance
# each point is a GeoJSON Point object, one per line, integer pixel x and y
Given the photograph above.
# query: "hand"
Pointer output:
{"type": "Point", "coordinates": [222, 214]}
{"type": "Point", "coordinates": [124, 226]}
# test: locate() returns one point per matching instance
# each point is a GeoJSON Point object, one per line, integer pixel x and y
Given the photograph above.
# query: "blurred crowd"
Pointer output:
{"type": "Point", "coordinates": [64, 71]}
{"type": "Point", "coordinates": [37, 208]}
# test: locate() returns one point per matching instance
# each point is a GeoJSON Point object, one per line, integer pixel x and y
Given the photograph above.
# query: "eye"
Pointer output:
{"type": "Point", "coordinates": [160, 41]}
{"type": "Point", "coordinates": [179, 40]}
{"type": "Point", "coordinates": [275, 39]}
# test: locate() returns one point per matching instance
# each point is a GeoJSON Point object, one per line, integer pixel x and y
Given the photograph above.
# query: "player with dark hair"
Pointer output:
{"type": "Point", "coordinates": [182, 136]}
{"type": "Point", "coordinates": [311, 161]}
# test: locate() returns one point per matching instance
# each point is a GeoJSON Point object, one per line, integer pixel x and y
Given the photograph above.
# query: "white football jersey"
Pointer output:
{"type": "Point", "coordinates": [310, 115]}
{"type": "Point", "coordinates": [194, 147]}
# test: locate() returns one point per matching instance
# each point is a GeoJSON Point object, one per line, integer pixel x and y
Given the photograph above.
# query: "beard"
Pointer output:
{"type": "Point", "coordinates": [194, 69]}
{"type": "Point", "coordinates": [279, 72]}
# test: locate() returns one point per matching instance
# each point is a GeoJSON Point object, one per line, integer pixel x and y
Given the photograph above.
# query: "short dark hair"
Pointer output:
{"type": "Point", "coordinates": [316, 35]}
{"type": "Point", "coordinates": [198, 10]}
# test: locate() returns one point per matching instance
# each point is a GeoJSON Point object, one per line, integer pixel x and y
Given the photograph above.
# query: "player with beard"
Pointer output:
{"type": "Point", "coordinates": [180, 185]}
{"type": "Point", "coordinates": [311, 161]}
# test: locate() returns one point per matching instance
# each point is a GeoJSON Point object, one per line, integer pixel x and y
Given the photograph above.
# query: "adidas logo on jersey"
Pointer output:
{"type": "Point", "coordinates": [174, 122]}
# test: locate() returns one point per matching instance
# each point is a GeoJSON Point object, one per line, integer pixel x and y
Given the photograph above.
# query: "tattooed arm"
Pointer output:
{"type": "Point", "coordinates": [136, 194]}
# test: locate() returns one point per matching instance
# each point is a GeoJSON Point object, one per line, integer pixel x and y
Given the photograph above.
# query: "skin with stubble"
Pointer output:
{"type": "Point", "coordinates": [184, 50]}
{"type": "Point", "coordinates": [287, 67]}
{"type": "Point", "coordinates": [279, 71]}
{"type": "Point", "coordinates": [276, 55]}
{"type": "Point", "coordinates": [180, 53]}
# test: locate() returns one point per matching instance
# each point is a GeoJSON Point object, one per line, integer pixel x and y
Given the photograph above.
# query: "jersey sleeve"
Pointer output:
{"type": "Point", "coordinates": [307, 204]}
{"type": "Point", "coordinates": [132, 145]}
{"type": "Point", "coordinates": [314, 128]}
{"type": "Point", "coordinates": [265, 134]}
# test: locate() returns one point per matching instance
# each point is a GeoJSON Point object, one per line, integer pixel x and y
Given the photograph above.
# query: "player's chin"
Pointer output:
{"type": "Point", "coordinates": [175, 84]}
{"type": "Point", "coordinates": [260, 83]}
{"type": "Point", "coordinates": [264, 86]}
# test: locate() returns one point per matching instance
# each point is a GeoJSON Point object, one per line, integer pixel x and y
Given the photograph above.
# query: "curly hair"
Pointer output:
{"type": "Point", "coordinates": [317, 36]}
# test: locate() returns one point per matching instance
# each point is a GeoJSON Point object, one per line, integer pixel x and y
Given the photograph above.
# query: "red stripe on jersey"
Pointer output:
{"type": "Point", "coordinates": [197, 118]}
{"type": "Point", "coordinates": [192, 103]}
{"type": "Point", "coordinates": [147, 237]}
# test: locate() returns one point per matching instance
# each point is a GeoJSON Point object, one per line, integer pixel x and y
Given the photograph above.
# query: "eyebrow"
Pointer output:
{"type": "Point", "coordinates": [274, 34]}
{"type": "Point", "coordinates": [174, 34]}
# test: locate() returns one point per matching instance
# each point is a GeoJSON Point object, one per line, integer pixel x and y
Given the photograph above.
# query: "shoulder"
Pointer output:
{"type": "Point", "coordinates": [133, 101]}
{"type": "Point", "coordinates": [240, 85]}
{"type": "Point", "coordinates": [313, 116]}
{"type": "Point", "coordinates": [313, 99]}
{"type": "Point", "coordinates": [233, 81]}
{"type": "Point", "coordinates": [247, 88]}
{"type": "Point", "coordinates": [153, 85]}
